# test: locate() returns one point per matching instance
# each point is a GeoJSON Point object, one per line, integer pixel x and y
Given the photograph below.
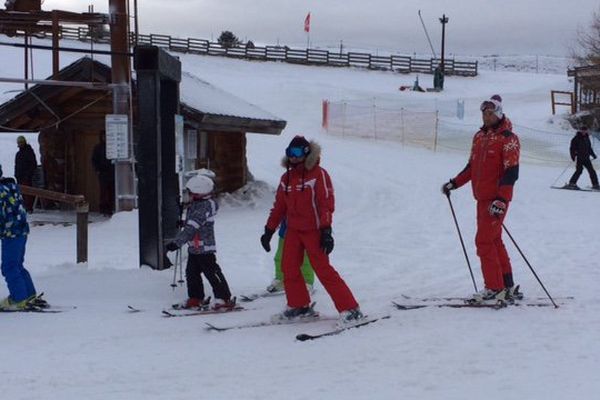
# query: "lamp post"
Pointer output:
{"type": "Point", "coordinates": [444, 21]}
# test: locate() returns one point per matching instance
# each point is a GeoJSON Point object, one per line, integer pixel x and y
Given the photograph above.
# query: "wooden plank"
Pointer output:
{"type": "Point", "coordinates": [72, 199]}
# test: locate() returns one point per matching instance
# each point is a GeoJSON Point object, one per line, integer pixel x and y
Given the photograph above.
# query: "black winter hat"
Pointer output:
{"type": "Point", "coordinates": [300, 141]}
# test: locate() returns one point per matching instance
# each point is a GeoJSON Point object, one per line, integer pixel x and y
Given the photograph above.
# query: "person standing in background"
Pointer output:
{"type": "Point", "coordinates": [25, 166]}
{"type": "Point", "coordinates": [581, 150]}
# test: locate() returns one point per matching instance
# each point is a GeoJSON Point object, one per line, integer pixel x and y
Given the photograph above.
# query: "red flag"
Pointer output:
{"type": "Point", "coordinates": [307, 23]}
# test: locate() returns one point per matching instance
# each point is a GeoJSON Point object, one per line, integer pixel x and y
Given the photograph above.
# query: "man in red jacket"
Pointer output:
{"type": "Point", "coordinates": [493, 169]}
{"type": "Point", "coordinates": [305, 199]}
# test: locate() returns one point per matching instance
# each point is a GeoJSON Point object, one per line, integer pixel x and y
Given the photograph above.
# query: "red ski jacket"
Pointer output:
{"type": "Point", "coordinates": [304, 196]}
{"type": "Point", "coordinates": [493, 167]}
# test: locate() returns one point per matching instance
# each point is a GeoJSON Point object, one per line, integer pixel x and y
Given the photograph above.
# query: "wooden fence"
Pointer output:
{"type": "Point", "coordinates": [81, 208]}
{"type": "Point", "coordinates": [404, 64]}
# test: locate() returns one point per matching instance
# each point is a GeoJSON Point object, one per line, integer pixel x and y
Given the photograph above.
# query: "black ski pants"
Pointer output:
{"type": "Point", "coordinates": [206, 264]}
{"type": "Point", "coordinates": [579, 169]}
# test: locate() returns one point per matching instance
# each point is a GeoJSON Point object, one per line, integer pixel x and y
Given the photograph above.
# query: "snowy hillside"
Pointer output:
{"type": "Point", "coordinates": [394, 235]}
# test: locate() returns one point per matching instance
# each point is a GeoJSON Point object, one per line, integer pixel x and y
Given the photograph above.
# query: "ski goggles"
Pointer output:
{"type": "Point", "coordinates": [296, 152]}
{"type": "Point", "coordinates": [488, 105]}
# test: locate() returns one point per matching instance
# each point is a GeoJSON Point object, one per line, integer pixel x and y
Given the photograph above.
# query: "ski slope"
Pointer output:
{"type": "Point", "coordinates": [394, 235]}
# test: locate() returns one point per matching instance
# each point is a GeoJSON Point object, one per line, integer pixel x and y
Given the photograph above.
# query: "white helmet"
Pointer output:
{"type": "Point", "coordinates": [200, 184]}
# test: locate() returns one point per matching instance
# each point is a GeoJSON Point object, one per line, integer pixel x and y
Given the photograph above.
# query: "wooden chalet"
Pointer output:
{"type": "Point", "coordinates": [70, 121]}
{"type": "Point", "coordinates": [586, 87]}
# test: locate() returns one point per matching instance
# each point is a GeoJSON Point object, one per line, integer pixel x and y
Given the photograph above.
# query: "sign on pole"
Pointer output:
{"type": "Point", "coordinates": [179, 143]}
{"type": "Point", "coordinates": [117, 137]}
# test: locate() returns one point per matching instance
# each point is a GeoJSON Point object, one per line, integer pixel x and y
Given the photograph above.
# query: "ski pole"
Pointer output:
{"type": "Point", "coordinates": [562, 173]}
{"type": "Point", "coordinates": [529, 265]}
{"type": "Point", "coordinates": [462, 242]}
{"type": "Point", "coordinates": [173, 284]}
{"type": "Point", "coordinates": [181, 281]}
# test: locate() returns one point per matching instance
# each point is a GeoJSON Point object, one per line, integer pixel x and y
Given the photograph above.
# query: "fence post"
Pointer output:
{"type": "Point", "coordinates": [435, 133]}
{"type": "Point", "coordinates": [82, 232]}
{"type": "Point", "coordinates": [343, 119]}
{"type": "Point", "coordinates": [325, 117]}
{"type": "Point", "coordinates": [374, 120]}
{"type": "Point", "coordinates": [402, 124]}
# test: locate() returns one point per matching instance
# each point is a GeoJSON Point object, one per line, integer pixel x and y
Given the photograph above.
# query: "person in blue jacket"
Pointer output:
{"type": "Point", "coordinates": [13, 234]}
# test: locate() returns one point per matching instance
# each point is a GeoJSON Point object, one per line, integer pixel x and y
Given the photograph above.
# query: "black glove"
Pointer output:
{"type": "Point", "coordinates": [265, 239]}
{"type": "Point", "coordinates": [448, 186]}
{"type": "Point", "coordinates": [172, 246]}
{"type": "Point", "coordinates": [326, 240]}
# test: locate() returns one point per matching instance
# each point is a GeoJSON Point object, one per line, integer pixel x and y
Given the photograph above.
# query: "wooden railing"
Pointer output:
{"type": "Point", "coordinates": [404, 64]}
{"type": "Point", "coordinates": [81, 208]}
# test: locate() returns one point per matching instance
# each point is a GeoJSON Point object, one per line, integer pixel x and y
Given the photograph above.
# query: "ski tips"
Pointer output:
{"type": "Point", "coordinates": [303, 337]}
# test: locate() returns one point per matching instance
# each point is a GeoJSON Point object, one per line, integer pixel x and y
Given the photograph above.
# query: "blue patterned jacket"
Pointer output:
{"type": "Point", "coordinates": [13, 217]}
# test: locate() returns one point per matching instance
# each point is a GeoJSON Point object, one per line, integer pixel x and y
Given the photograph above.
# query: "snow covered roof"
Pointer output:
{"type": "Point", "coordinates": [209, 99]}
{"type": "Point", "coordinates": [208, 107]}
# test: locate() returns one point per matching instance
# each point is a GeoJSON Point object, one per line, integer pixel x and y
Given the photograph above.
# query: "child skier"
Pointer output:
{"type": "Point", "coordinates": [307, 271]}
{"type": "Point", "coordinates": [198, 233]}
{"type": "Point", "coordinates": [13, 232]}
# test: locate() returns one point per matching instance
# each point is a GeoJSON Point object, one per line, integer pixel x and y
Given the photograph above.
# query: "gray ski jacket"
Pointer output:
{"type": "Point", "coordinates": [199, 229]}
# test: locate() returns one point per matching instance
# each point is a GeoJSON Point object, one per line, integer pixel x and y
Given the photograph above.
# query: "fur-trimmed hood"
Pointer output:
{"type": "Point", "coordinates": [312, 159]}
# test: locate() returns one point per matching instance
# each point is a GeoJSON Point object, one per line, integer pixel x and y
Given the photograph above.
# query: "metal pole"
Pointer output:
{"type": "Point", "coordinates": [55, 46]}
{"type": "Point", "coordinates": [462, 243]}
{"type": "Point", "coordinates": [427, 34]}
{"type": "Point", "coordinates": [136, 21]}
{"type": "Point", "coordinates": [26, 61]}
{"type": "Point", "coordinates": [529, 265]}
{"type": "Point", "coordinates": [444, 21]}
{"type": "Point", "coordinates": [120, 67]}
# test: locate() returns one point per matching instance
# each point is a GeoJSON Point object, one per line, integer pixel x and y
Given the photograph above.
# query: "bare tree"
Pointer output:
{"type": "Point", "coordinates": [587, 49]}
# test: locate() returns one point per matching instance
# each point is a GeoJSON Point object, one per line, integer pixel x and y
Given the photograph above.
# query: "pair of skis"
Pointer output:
{"type": "Point", "coordinates": [37, 305]}
{"type": "Point", "coordinates": [575, 188]}
{"type": "Point", "coordinates": [302, 337]}
{"type": "Point", "coordinates": [463, 302]}
{"type": "Point", "coordinates": [181, 312]}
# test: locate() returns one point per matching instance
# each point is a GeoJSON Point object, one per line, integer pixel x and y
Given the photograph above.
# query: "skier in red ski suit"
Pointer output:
{"type": "Point", "coordinates": [493, 169]}
{"type": "Point", "coordinates": [305, 199]}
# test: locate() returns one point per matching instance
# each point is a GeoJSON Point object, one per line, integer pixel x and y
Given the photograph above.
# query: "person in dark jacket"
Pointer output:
{"type": "Point", "coordinates": [581, 150]}
{"type": "Point", "coordinates": [106, 176]}
{"type": "Point", "coordinates": [25, 166]}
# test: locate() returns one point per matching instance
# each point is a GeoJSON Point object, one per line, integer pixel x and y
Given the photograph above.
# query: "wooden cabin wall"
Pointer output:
{"type": "Point", "coordinates": [67, 151]}
{"type": "Point", "coordinates": [227, 158]}
{"type": "Point", "coordinates": [82, 178]}
{"type": "Point", "coordinates": [53, 158]}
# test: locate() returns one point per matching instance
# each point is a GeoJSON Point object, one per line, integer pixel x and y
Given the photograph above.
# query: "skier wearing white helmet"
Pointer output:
{"type": "Point", "coordinates": [198, 232]}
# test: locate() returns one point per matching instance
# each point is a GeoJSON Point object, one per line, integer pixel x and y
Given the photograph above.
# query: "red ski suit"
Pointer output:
{"type": "Point", "coordinates": [305, 198]}
{"type": "Point", "coordinates": [493, 168]}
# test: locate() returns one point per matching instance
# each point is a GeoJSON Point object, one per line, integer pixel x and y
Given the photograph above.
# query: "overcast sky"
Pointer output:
{"type": "Point", "coordinates": [477, 27]}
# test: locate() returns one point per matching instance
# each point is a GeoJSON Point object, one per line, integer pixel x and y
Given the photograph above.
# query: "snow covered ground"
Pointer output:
{"type": "Point", "coordinates": [394, 235]}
